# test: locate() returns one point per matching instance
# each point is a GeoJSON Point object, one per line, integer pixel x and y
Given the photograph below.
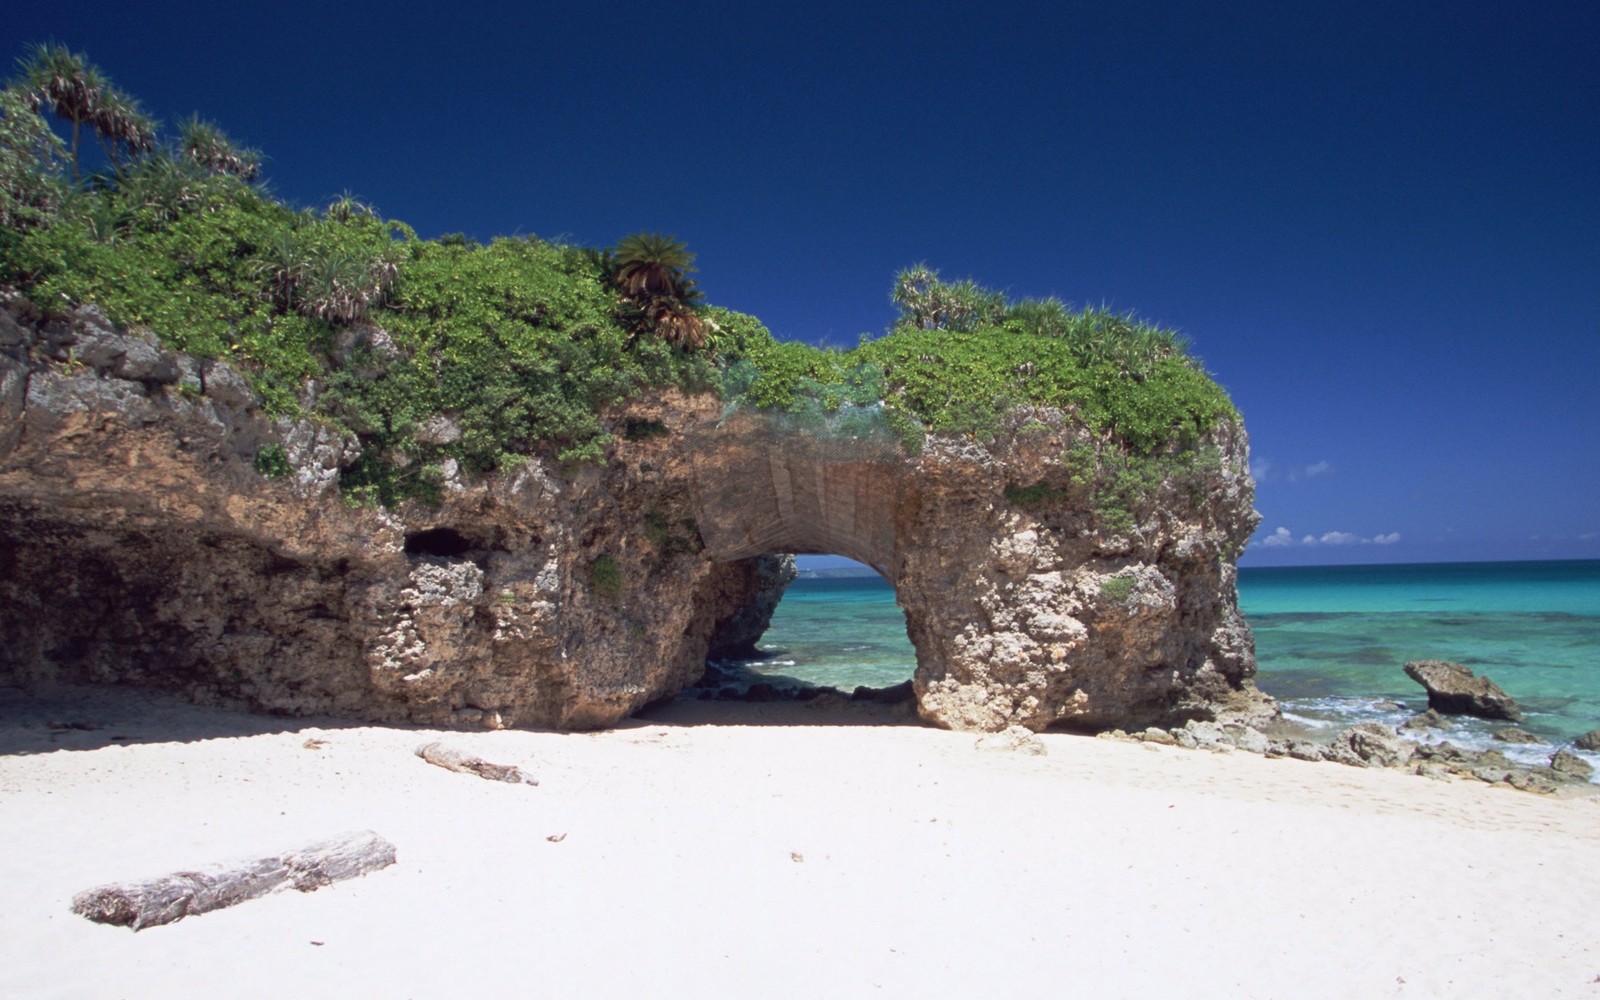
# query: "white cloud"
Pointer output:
{"type": "Point", "coordinates": [1260, 469]}
{"type": "Point", "coordinates": [1589, 536]}
{"type": "Point", "coordinates": [1283, 538]}
{"type": "Point", "coordinates": [1311, 471]}
{"type": "Point", "coordinates": [1278, 539]}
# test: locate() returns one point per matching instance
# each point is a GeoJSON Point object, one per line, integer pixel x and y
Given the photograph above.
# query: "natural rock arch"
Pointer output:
{"type": "Point", "coordinates": [138, 543]}
{"type": "Point", "coordinates": [1019, 615]}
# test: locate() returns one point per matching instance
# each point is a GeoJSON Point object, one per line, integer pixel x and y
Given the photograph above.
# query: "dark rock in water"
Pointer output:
{"type": "Point", "coordinates": [1570, 765]}
{"type": "Point", "coordinates": [761, 692]}
{"type": "Point", "coordinates": [1370, 744]}
{"type": "Point", "coordinates": [1443, 750]}
{"type": "Point", "coordinates": [1511, 734]}
{"type": "Point", "coordinates": [1425, 720]}
{"type": "Point", "coordinates": [1455, 690]}
{"type": "Point", "coordinates": [1388, 706]}
{"type": "Point", "coordinates": [1588, 741]}
{"type": "Point", "coordinates": [891, 695]}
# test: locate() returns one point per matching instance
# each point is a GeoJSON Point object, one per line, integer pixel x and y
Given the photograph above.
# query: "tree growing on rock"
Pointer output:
{"type": "Point", "coordinates": [209, 148]}
{"type": "Point", "coordinates": [651, 271]}
{"type": "Point", "coordinates": [928, 303]}
{"type": "Point", "coordinates": [77, 91]}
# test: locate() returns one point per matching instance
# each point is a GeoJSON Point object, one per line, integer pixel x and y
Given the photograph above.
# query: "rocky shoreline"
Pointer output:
{"type": "Point", "coordinates": [1405, 748]}
{"type": "Point", "coordinates": [1375, 745]}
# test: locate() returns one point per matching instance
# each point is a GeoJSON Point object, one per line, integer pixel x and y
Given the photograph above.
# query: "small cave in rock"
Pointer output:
{"type": "Point", "coordinates": [445, 542]}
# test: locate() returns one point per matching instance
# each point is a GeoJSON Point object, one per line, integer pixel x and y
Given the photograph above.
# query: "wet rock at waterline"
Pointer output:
{"type": "Point", "coordinates": [1455, 690]}
{"type": "Point", "coordinates": [1571, 765]}
{"type": "Point", "coordinates": [1511, 734]}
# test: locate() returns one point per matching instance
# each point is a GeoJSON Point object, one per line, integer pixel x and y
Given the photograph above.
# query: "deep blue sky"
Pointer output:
{"type": "Point", "coordinates": [1378, 222]}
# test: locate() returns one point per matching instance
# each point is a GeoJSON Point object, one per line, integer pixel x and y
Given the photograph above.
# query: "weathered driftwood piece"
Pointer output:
{"type": "Point", "coordinates": [455, 760]}
{"type": "Point", "coordinates": [181, 894]}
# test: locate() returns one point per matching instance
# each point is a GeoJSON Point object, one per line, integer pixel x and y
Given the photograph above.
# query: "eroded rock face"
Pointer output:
{"type": "Point", "coordinates": [139, 544]}
{"type": "Point", "coordinates": [1455, 690]}
{"type": "Point", "coordinates": [737, 635]}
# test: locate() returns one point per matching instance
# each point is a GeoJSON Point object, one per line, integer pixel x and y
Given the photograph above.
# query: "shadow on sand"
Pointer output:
{"type": "Point", "coordinates": [43, 718]}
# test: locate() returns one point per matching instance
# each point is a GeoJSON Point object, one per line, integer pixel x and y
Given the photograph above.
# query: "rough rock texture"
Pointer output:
{"type": "Point", "coordinates": [1370, 744]}
{"type": "Point", "coordinates": [1566, 763]}
{"type": "Point", "coordinates": [139, 544]}
{"type": "Point", "coordinates": [1015, 739]}
{"type": "Point", "coordinates": [1424, 720]}
{"type": "Point", "coordinates": [737, 635]}
{"type": "Point", "coordinates": [1511, 734]}
{"type": "Point", "coordinates": [1588, 741]}
{"type": "Point", "coordinates": [1454, 690]}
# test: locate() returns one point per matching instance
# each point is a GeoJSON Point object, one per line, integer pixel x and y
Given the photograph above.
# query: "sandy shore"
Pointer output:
{"type": "Point", "coordinates": [766, 850]}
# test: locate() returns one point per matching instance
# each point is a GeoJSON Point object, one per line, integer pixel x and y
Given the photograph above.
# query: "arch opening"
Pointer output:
{"type": "Point", "coordinates": [836, 631]}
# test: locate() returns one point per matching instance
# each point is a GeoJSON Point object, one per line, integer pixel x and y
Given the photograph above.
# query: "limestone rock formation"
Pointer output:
{"type": "Point", "coordinates": [1014, 739]}
{"type": "Point", "coordinates": [1569, 764]}
{"type": "Point", "coordinates": [140, 544]}
{"type": "Point", "coordinates": [1455, 690]}
{"type": "Point", "coordinates": [1370, 744]}
{"type": "Point", "coordinates": [1429, 719]}
{"type": "Point", "coordinates": [736, 636]}
{"type": "Point", "coordinates": [1588, 741]}
{"type": "Point", "coordinates": [1511, 734]}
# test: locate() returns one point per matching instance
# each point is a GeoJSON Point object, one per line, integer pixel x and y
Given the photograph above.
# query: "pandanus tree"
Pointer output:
{"type": "Point", "coordinates": [209, 148]}
{"type": "Point", "coordinates": [931, 304]}
{"type": "Point", "coordinates": [68, 84]}
{"type": "Point", "coordinates": [651, 271]}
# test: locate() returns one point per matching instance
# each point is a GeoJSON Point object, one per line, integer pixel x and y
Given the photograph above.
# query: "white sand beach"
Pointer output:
{"type": "Point", "coordinates": [743, 850]}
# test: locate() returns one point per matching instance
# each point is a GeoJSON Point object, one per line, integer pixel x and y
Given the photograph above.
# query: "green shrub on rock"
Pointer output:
{"type": "Point", "coordinates": [525, 347]}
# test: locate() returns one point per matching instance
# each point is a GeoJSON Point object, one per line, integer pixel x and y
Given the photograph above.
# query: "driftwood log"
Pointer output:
{"type": "Point", "coordinates": [455, 760]}
{"type": "Point", "coordinates": [181, 894]}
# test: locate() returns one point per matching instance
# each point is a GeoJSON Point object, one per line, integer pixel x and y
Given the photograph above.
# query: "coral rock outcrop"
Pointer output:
{"type": "Point", "coordinates": [143, 540]}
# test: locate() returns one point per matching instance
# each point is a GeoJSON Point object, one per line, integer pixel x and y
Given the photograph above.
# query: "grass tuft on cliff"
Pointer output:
{"type": "Point", "coordinates": [438, 351]}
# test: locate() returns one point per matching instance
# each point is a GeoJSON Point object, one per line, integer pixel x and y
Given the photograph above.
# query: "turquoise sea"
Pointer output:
{"type": "Point", "coordinates": [1330, 641]}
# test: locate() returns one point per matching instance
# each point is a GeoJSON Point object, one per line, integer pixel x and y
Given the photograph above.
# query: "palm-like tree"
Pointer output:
{"type": "Point", "coordinates": [209, 148]}
{"type": "Point", "coordinates": [54, 76]}
{"type": "Point", "coordinates": [65, 81]}
{"type": "Point", "coordinates": [652, 264]}
{"type": "Point", "coordinates": [120, 124]}
{"type": "Point", "coordinates": [651, 270]}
